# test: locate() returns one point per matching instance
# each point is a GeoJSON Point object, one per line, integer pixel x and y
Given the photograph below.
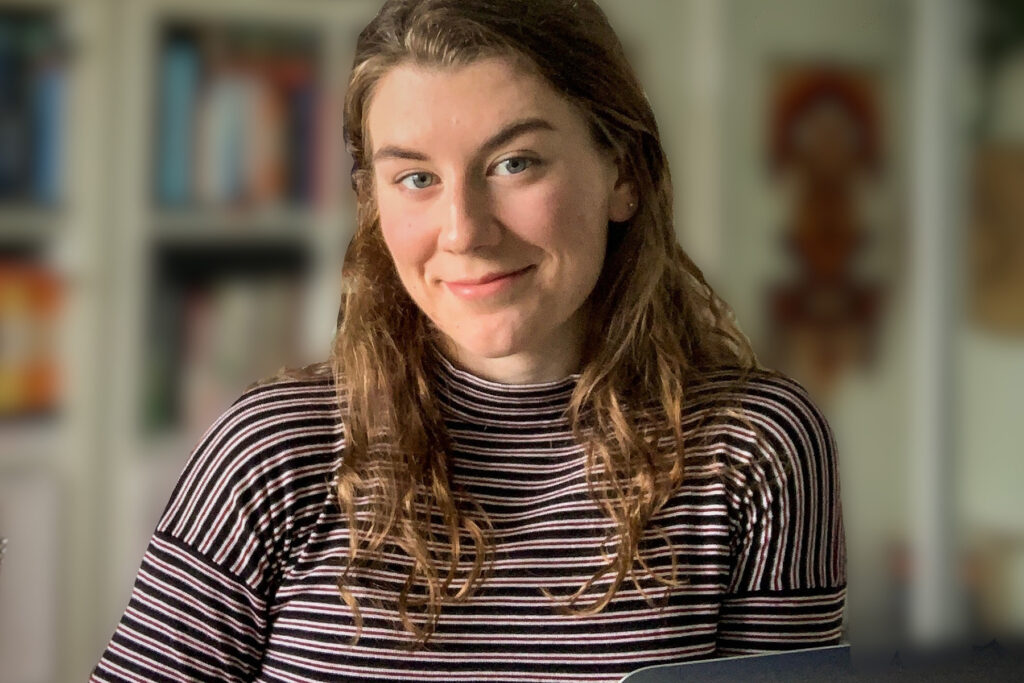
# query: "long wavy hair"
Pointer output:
{"type": "Point", "coordinates": [656, 326]}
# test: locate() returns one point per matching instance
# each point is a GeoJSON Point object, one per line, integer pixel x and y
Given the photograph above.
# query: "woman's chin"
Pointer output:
{"type": "Point", "coordinates": [483, 351]}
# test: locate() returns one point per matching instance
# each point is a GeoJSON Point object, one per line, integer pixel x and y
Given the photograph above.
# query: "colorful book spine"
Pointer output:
{"type": "Point", "coordinates": [179, 83]}
{"type": "Point", "coordinates": [303, 169]}
{"type": "Point", "coordinates": [221, 126]}
{"type": "Point", "coordinates": [256, 129]}
{"type": "Point", "coordinates": [265, 151]}
{"type": "Point", "coordinates": [324, 148]}
{"type": "Point", "coordinates": [30, 300]}
{"type": "Point", "coordinates": [161, 406]}
{"type": "Point", "coordinates": [15, 119]}
{"type": "Point", "coordinates": [48, 115]}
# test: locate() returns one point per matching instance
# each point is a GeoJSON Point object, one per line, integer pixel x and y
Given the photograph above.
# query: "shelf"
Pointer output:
{"type": "Point", "coordinates": [231, 227]}
{"type": "Point", "coordinates": [26, 226]}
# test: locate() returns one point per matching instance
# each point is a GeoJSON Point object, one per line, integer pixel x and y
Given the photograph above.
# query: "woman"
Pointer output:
{"type": "Point", "coordinates": [542, 450]}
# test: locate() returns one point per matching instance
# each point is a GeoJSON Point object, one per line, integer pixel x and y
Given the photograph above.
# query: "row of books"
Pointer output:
{"type": "Point", "coordinates": [238, 125]}
{"type": "Point", "coordinates": [208, 342]}
{"type": "Point", "coordinates": [30, 300]}
{"type": "Point", "coordinates": [33, 85]}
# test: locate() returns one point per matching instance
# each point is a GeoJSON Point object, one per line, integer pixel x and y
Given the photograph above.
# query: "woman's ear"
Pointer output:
{"type": "Point", "coordinates": [624, 197]}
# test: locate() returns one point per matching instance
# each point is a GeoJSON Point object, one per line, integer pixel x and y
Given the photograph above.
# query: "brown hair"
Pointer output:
{"type": "Point", "coordinates": [656, 325]}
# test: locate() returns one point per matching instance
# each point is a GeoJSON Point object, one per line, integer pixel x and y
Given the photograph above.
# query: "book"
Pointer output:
{"type": "Point", "coordinates": [237, 330]}
{"type": "Point", "coordinates": [33, 74]}
{"type": "Point", "coordinates": [48, 140]}
{"type": "Point", "coordinates": [15, 117]}
{"type": "Point", "coordinates": [241, 120]}
{"type": "Point", "coordinates": [179, 82]}
{"type": "Point", "coordinates": [30, 302]}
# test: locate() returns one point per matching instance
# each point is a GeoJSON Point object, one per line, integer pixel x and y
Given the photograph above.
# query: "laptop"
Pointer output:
{"type": "Point", "coordinates": [813, 664]}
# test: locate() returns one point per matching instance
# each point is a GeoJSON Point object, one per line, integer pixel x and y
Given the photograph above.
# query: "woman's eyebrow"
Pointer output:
{"type": "Point", "coordinates": [396, 152]}
{"type": "Point", "coordinates": [505, 135]}
{"type": "Point", "coordinates": [514, 130]}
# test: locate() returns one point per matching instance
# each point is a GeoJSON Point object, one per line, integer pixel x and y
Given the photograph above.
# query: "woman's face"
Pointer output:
{"type": "Point", "coordinates": [494, 204]}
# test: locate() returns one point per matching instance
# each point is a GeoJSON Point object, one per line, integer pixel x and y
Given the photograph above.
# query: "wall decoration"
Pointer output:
{"type": "Point", "coordinates": [995, 236]}
{"type": "Point", "coordinates": [825, 149]}
{"type": "Point", "coordinates": [996, 240]}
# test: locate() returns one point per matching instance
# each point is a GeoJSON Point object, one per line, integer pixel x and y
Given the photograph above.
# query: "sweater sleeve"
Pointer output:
{"type": "Point", "coordinates": [788, 582]}
{"type": "Point", "coordinates": [198, 609]}
{"type": "Point", "coordinates": [187, 619]}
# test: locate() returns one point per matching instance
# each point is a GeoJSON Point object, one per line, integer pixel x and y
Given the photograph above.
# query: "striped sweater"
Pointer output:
{"type": "Point", "coordinates": [239, 581]}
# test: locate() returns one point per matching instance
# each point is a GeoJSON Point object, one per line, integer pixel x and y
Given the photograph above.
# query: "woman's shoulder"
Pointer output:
{"type": "Point", "coordinates": [262, 465]}
{"type": "Point", "coordinates": [750, 387]}
{"type": "Point", "coordinates": [773, 411]}
{"type": "Point", "coordinates": [293, 411]}
{"type": "Point", "coordinates": [273, 411]}
{"type": "Point", "coordinates": [778, 461]}
{"type": "Point", "coordinates": [316, 378]}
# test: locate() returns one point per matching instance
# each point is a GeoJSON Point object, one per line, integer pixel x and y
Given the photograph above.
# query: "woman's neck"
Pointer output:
{"type": "Point", "coordinates": [549, 363]}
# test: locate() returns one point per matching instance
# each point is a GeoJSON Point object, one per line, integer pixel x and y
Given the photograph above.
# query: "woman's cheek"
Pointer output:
{"type": "Point", "coordinates": [532, 213]}
{"type": "Point", "coordinates": [408, 241]}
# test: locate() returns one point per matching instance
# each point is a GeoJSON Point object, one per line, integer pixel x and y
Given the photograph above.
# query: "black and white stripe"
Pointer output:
{"type": "Point", "coordinates": [239, 580]}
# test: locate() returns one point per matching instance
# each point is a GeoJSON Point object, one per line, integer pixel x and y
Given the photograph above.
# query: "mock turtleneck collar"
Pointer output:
{"type": "Point", "coordinates": [460, 388]}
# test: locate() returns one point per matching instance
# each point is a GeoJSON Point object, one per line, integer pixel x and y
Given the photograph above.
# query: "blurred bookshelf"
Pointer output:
{"type": "Point", "coordinates": [50, 312]}
{"type": "Point", "coordinates": [240, 114]}
{"type": "Point", "coordinates": [174, 210]}
{"type": "Point", "coordinates": [34, 64]}
{"type": "Point", "coordinates": [230, 226]}
{"type": "Point", "coordinates": [212, 226]}
{"type": "Point", "coordinates": [209, 302]}
{"type": "Point", "coordinates": [33, 86]}
{"type": "Point", "coordinates": [235, 212]}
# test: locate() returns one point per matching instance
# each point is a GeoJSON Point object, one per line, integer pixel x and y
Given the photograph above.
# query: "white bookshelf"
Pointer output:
{"type": "Point", "coordinates": [140, 468]}
{"type": "Point", "coordinates": [48, 464]}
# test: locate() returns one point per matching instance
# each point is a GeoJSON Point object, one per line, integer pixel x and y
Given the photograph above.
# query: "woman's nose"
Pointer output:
{"type": "Point", "coordinates": [470, 223]}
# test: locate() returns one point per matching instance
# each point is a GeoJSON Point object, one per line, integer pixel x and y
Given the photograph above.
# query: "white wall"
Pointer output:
{"type": "Point", "coordinates": [870, 413]}
{"type": "Point", "coordinates": [990, 467]}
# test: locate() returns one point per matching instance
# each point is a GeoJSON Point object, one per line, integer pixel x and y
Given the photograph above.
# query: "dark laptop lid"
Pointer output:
{"type": "Point", "coordinates": [813, 664]}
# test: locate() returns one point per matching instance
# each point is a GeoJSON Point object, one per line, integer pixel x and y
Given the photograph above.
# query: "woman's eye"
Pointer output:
{"type": "Point", "coordinates": [418, 181]}
{"type": "Point", "coordinates": [513, 166]}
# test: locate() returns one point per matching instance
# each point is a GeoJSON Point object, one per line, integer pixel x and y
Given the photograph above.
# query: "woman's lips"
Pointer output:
{"type": "Point", "coordinates": [486, 286]}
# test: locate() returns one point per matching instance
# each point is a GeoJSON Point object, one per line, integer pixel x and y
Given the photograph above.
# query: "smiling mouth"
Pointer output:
{"type": "Point", "coordinates": [486, 285]}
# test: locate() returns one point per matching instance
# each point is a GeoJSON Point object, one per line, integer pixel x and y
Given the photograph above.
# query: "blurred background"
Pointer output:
{"type": "Point", "coordinates": [174, 207]}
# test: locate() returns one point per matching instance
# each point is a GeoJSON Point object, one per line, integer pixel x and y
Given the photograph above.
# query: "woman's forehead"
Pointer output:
{"type": "Point", "coordinates": [430, 105]}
